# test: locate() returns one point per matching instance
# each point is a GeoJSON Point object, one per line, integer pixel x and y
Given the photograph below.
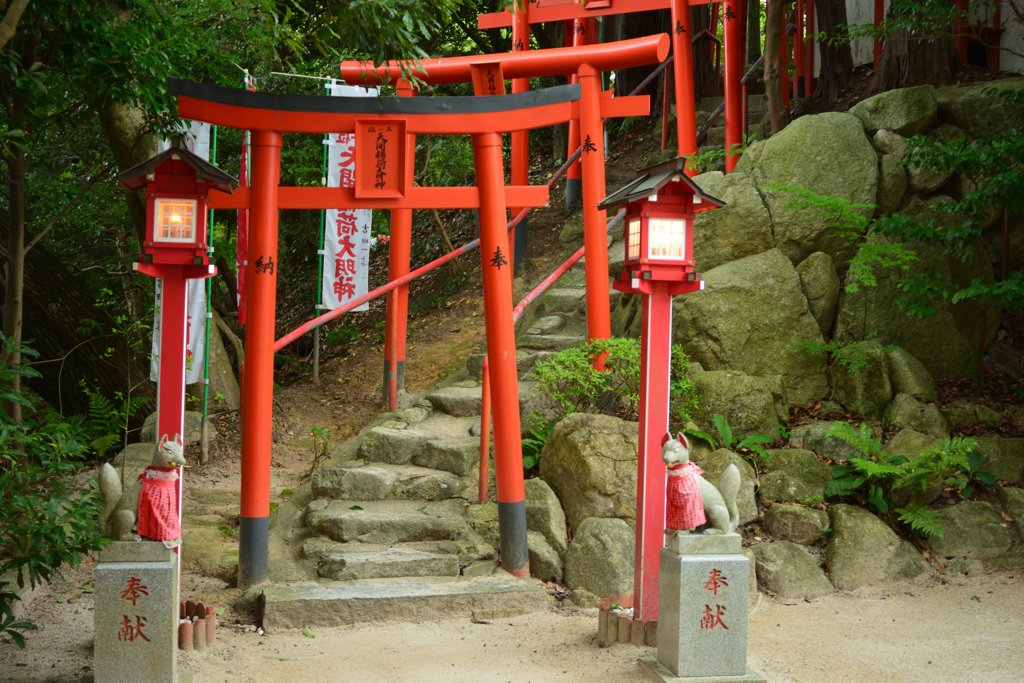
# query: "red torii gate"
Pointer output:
{"type": "Point", "coordinates": [587, 62]}
{"type": "Point", "coordinates": [381, 128]}
{"type": "Point", "coordinates": [543, 11]}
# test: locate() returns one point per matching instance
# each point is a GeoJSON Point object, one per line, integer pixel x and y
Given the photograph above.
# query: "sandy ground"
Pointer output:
{"type": "Point", "coordinates": [969, 629]}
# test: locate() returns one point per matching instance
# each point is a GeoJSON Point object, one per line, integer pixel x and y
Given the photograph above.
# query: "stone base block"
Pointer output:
{"type": "Point", "coordinates": [654, 671]}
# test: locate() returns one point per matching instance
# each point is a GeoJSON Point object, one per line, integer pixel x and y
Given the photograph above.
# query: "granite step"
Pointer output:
{"type": "Point", "coordinates": [359, 481]}
{"type": "Point", "coordinates": [549, 342]}
{"type": "Point", "coordinates": [337, 521]}
{"type": "Point", "coordinates": [466, 401]}
{"type": "Point", "coordinates": [354, 563]}
{"type": "Point", "coordinates": [338, 603]}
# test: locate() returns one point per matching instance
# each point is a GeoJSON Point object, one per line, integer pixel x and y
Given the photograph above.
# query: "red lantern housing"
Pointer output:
{"type": "Point", "coordinates": [177, 185]}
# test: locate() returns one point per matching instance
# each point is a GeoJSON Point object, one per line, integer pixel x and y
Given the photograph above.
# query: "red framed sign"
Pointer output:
{"type": "Point", "coordinates": [380, 154]}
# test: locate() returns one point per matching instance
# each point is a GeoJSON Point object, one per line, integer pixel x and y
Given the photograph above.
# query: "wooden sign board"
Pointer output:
{"type": "Point", "coordinates": [487, 78]}
{"type": "Point", "coordinates": [380, 158]}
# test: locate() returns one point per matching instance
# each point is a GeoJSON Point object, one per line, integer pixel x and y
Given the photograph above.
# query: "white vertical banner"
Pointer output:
{"type": "Point", "coordinates": [197, 140]}
{"type": "Point", "coordinates": [195, 337]}
{"type": "Point", "coordinates": [346, 252]}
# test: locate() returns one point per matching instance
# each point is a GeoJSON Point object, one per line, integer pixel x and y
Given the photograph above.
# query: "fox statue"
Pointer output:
{"type": "Point", "coordinates": [151, 501]}
{"type": "Point", "coordinates": [716, 506]}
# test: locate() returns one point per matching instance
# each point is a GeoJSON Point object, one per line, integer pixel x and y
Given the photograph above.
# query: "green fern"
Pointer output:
{"type": "Point", "coordinates": [104, 443]}
{"type": "Point", "coordinates": [921, 519]}
{"type": "Point", "coordinates": [724, 430]}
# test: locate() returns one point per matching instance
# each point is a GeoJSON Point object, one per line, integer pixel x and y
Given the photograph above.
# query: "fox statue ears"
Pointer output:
{"type": "Point", "coordinates": [668, 437]}
{"type": "Point", "coordinates": [177, 440]}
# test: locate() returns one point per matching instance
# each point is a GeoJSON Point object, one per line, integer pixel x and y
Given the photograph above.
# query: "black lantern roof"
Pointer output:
{"type": "Point", "coordinates": [135, 177]}
{"type": "Point", "coordinates": [650, 180]}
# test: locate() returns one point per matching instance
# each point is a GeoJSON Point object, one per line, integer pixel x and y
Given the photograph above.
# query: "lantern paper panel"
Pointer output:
{"type": "Point", "coordinates": [174, 220]}
{"type": "Point", "coordinates": [666, 239]}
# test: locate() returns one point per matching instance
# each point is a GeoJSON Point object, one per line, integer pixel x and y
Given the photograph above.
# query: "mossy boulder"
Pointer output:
{"type": "Point", "coordinates": [906, 111]}
{"type": "Point", "coordinates": [745, 401]}
{"type": "Point", "coordinates": [793, 474]}
{"type": "Point", "coordinates": [971, 530]}
{"type": "Point", "coordinates": [862, 383]}
{"type": "Point", "coordinates": [789, 572]}
{"type": "Point", "coordinates": [821, 287]}
{"type": "Point", "coordinates": [863, 551]}
{"type": "Point", "coordinates": [796, 523]}
{"type": "Point", "coordinates": [740, 228]}
{"type": "Point", "coordinates": [600, 557]}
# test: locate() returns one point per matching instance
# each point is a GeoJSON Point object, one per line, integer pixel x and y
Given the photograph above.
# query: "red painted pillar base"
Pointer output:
{"type": "Point", "coordinates": [501, 353]}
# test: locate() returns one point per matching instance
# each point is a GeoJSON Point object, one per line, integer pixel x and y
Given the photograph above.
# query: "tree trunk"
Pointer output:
{"type": "Point", "coordinates": [705, 80]}
{"type": "Point", "coordinates": [128, 133]}
{"type": "Point", "coordinates": [753, 31]}
{"type": "Point", "coordinates": [836, 58]}
{"type": "Point", "coordinates": [906, 62]}
{"type": "Point", "coordinates": [14, 283]}
{"type": "Point", "coordinates": [56, 302]}
{"type": "Point", "coordinates": [637, 25]}
{"type": "Point", "coordinates": [773, 25]}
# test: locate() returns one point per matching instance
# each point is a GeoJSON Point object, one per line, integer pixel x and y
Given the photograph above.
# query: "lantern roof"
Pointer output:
{"type": "Point", "coordinates": [136, 176]}
{"type": "Point", "coordinates": [650, 181]}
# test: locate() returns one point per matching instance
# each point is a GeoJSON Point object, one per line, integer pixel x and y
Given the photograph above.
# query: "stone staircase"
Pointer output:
{"type": "Point", "coordinates": [389, 527]}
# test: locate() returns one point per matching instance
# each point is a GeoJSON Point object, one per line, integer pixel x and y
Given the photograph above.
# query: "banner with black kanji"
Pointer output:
{"type": "Point", "coordinates": [346, 252]}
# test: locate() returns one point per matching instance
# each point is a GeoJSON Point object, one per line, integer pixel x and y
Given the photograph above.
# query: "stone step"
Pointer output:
{"type": "Point", "coordinates": [355, 480]}
{"type": "Point", "coordinates": [466, 401]}
{"type": "Point", "coordinates": [339, 522]}
{"type": "Point", "coordinates": [355, 563]}
{"type": "Point", "coordinates": [550, 342]}
{"type": "Point", "coordinates": [337, 603]}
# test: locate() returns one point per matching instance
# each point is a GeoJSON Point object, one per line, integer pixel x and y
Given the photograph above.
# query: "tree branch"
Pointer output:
{"type": "Point", "coordinates": [487, 49]}
{"type": "Point", "coordinates": [10, 21]}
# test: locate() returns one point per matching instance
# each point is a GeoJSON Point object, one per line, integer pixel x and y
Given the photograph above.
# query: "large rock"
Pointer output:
{"type": "Point", "coordinates": [590, 463]}
{"type": "Point", "coordinates": [864, 551]}
{"type": "Point", "coordinates": [923, 180]}
{"type": "Point", "coordinates": [980, 115]}
{"type": "Point", "coordinates": [193, 428]}
{"type": "Point", "coordinates": [971, 530]}
{"type": "Point", "coordinates": [907, 411]}
{"type": "Point", "coordinates": [748, 317]}
{"type": "Point", "coordinates": [861, 389]}
{"type": "Point", "coordinates": [745, 401]}
{"type": "Point", "coordinates": [887, 142]}
{"type": "Point", "coordinates": [792, 474]}
{"type": "Point", "coordinates": [829, 155]}
{"type": "Point", "coordinates": [440, 486]}
{"type": "Point", "coordinates": [821, 287]}
{"type": "Point", "coordinates": [545, 562]}
{"type": "Point", "coordinates": [906, 111]}
{"type": "Point", "coordinates": [714, 465]}
{"type": "Point", "coordinates": [1012, 502]}
{"type": "Point", "coordinates": [1004, 458]}
{"type": "Point", "coordinates": [789, 572]}
{"type": "Point", "coordinates": [892, 184]}
{"type": "Point", "coordinates": [909, 375]}
{"type": "Point", "coordinates": [813, 436]}
{"type": "Point", "coordinates": [943, 342]}
{"type": "Point", "coordinates": [740, 228]}
{"type": "Point", "coordinates": [600, 557]}
{"type": "Point", "coordinates": [457, 456]}
{"type": "Point", "coordinates": [805, 526]}
{"type": "Point", "coordinates": [544, 514]}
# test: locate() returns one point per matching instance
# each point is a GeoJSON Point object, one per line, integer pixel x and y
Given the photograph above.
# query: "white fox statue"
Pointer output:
{"type": "Point", "coordinates": [719, 504]}
{"type": "Point", "coordinates": [158, 519]}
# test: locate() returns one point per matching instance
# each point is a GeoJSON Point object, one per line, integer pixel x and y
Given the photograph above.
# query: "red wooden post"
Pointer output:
{"type": "Point", "coordinates": [399, 254]}
{"type": "Point", "coordinates": [573, 176]}
{"type": "Point", "coordinates": [798, 49]}
{"type": "Point", "coordinates": [595, 236]}
{"type": "Point", "coordinates": [501, 352]}
{"type": "Point", "coordinates": [682, 69]}
{"type": "Point", "coordinates": [520, 139]}
{"type": "Point", "coordinates": [811, 83]}
{"type": "Point", "coordinates": [258, 392]}
{"type": "Point", "coordinates": [734, 59]}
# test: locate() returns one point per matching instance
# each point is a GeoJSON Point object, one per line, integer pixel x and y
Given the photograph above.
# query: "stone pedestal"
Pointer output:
{"type": "Point", "coordinates": [702, 611]}
{"type": "Point", "coordinates": [136, 613]}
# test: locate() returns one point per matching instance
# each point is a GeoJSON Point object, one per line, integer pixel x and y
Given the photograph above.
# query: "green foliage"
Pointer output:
{"type": "Point", "coordinates": [533, 445]}
{"type": "Point", "coordinates": [879, 478]}
{"type": "Point", "coordinates": [321, 445]}
{"type": "Point", "coordinates": [574, 386]}
{"type": "Point", "coordinates": [846, 222]}
{"type": "Point", "coordinates": [848, 354]}
{"type": "Point", "coordinates": [754, 442]}
{"type": "Point", "coordinates": [44, 524]}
